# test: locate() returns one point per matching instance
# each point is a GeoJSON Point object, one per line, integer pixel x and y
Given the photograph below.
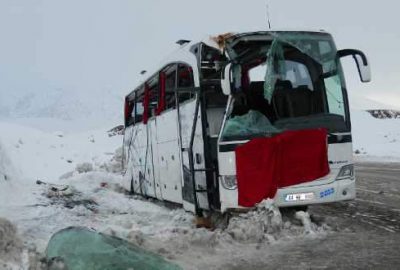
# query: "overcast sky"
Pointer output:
{"type": "Point", "coordinates": [92, 45]}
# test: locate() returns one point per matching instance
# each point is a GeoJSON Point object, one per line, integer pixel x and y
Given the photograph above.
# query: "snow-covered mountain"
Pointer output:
{"type": "Point", "coordinates": [59, 109]}
{"type": "Point", "coordinates": [385, 114]}
{"type": "Point", "coordinates": [376, 132]}
{"type": "Point", "coordinates": [375, 138]}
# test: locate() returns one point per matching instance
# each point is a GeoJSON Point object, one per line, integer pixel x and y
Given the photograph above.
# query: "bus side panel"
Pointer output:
{"type": "Point", "coordinates": [129, 136]}
{"type": "Point", "coordinates": [149, 184]}
{"type": "Point", "coordinates": [138, 158]}
{"type": "Point", "coordinates": [169, 157]}
{"type": "Point", "coordinates": [155, 158]}
{"type": "Point", "coordinates": [171, 186]}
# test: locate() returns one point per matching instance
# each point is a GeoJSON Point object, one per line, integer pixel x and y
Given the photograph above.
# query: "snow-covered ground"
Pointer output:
{"type": "Point", "coordinates": [47, 155]}
{"type": "Point", "coordinates": [375, 139]}
{"type": "Point", "coordinates": [89, 164]}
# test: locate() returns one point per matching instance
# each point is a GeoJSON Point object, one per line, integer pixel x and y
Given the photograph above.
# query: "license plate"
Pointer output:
{"type": "Point", "coordinates": [299, 197]}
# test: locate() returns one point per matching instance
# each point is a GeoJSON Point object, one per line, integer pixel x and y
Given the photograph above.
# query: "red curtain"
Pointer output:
{"type": "Point", "coordinates": [146, 102]}
{"type": "Point", "coordinates": [161, 102]}
{"type": "Point", "coordinates": [265, 164]}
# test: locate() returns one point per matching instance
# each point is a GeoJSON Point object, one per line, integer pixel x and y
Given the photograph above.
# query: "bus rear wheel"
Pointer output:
{"type": "Point", "coordinates": [132, 190]}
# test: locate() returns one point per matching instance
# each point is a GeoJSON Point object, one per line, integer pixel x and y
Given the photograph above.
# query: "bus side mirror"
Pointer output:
{"type": "Point", "coordinates": [226, 79]}
{"type": "Point", "coordinates": [364, 70]}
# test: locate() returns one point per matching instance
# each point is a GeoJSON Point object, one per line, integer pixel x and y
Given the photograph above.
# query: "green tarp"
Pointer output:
{"type": "Point", "coordinates": [82, 249]}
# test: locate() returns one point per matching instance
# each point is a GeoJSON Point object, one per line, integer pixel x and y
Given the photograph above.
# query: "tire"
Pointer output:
{"type": "Point", "coordinates": [303, 208]}
{"type": "Point", "coordinates": [132, 190]}
{"type": "Point", "coordinates": [293, 209]}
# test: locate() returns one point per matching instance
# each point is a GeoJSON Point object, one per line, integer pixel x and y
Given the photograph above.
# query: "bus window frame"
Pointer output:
{"type": "Point", "coordinates": [138, 95]}
{"type": "Point", "coordinates": [178, 90]}
{"type": "Point", "coordinates": [172, 68]}
{"type": "Point", "coordinates": [144, 92]}
{"type": "Point", "coordinates": [189, 89]}
{"type": "Point", "coordinates": [129, 119]}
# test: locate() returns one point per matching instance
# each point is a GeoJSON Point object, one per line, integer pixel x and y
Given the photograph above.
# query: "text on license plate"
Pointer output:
{"type": "Point", "coordinates": [299, 197]}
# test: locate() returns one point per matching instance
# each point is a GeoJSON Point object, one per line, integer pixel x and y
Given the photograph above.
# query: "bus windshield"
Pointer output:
{"type": "Point", "coordinates": [285, 81]}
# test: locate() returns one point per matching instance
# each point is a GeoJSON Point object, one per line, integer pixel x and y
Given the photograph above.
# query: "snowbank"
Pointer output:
{"type": "Point", "coordinates": [96, 200]}
{"type": "Point", "coordinates": [375, 139]}
{"type": "Point", "coordinates": [11, 247]}
{"type": "Point", "coordinates": [88, 164]}
{"type": "Point", "coordinates": [48, 155]}
{"type": "Point", "coordinates": [7, 171]}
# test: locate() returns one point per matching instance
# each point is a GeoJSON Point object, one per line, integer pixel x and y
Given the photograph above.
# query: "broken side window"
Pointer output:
{"type": "Point", "coordinates": [185, 81]}
{"type": "Point", "coordinates": [139, 108]}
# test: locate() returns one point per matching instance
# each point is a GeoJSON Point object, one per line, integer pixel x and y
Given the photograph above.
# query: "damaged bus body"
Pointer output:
{"type": "Point", "coordinates": [202, 130]}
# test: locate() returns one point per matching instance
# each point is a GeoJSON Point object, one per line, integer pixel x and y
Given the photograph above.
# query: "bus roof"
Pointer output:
{"type": "Point", "coordinates": [183, 54]}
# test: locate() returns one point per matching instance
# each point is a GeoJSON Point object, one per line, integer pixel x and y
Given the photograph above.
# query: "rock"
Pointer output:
{"type": "Point", "coordinates": [10, 245]}
{"type": "Point", "coordinates": [118, 130]}
{"type": "Point", "coordinates": [59, 134]}
{"type": "Point", "coordinates": [84, 167]}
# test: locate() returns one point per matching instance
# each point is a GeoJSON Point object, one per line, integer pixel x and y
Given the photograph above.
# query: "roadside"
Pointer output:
{"type": "Point", "coordinates": [365, 232]}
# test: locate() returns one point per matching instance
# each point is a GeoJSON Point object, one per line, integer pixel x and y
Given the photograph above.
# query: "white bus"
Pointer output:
{"type": "Point", "coordinates": [177, 143]}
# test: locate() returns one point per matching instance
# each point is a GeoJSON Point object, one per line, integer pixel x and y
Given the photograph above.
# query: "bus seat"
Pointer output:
{"type": "Point", "coordinates": [317, 102]}
{"type": "Point", "coordinates": [279, 98]}
{"type": "Point", "coordinates": [240, 107]}
{"type": "Point", "coordinates": [300, 101]}
{"type": "Point", "coordinates": [258, 102]}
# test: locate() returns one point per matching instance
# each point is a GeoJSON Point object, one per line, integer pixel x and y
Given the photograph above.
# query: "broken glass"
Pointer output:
{"type": "Point", "coordinates": [250, 123]}
{"type": "Point", "coordinates": [79, 248]}
{"type": "Point", "coordinates": [275, 68]}
{"type": "Point", "coordinates": [318, 47]}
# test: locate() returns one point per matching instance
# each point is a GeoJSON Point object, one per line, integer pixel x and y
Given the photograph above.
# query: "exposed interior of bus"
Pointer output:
{"type": "Point", "coordinates": [291, 81]}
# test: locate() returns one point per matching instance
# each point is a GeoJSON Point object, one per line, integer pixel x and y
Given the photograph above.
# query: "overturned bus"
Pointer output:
{"type": "Point", "coordinates": [237, 118]}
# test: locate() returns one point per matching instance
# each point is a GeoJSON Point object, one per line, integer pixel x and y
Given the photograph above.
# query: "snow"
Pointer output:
{"type": "Point", "coordinates": [7, 170]}
{"type": "Point", "coordinates": [47, 155]}
{"type": "Point", "coordinates": [375, 139]}
{"type": "Point", "coordinates": [84, 164]}
{"type": "Point", "coordinates": [10, 244]}
{"type": "Point", "coordinates": [84, 168]}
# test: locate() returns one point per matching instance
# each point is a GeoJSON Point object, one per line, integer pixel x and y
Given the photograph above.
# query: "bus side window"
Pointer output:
{"type": "Point", "coordinates": [129, 111]}
{"type": "Point", "coordinates": [153, 99]}
{"type": "Point", "coordinates": [139, 109]}
{"type": "Point", "coordinates": [152, 86]}
{"type": "Point", "coordinates": [170, 86]}
{"type": "Point", "coordinates": [185, 80]}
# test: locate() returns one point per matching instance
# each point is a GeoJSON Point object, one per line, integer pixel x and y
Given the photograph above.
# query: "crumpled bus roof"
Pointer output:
{"type": "Point", "coordinates": [183, 53]}
{"type": "Point", "coordinates": [217, 40]}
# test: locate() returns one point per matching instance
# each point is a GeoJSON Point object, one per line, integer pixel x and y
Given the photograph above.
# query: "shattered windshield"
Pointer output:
{"type": "Point", "coordinates": [292, 79]}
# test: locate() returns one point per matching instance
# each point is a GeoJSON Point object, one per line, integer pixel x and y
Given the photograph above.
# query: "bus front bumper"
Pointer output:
{"type": "Point", "coordinates": [340, 190]}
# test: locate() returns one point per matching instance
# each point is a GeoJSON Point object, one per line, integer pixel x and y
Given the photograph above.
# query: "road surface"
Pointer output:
{"type": "Point", "coordinates": [366, 232]}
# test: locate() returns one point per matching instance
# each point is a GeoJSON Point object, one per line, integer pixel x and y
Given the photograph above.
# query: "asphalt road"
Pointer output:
{"type": "Point", "coordinates": [365, 232]}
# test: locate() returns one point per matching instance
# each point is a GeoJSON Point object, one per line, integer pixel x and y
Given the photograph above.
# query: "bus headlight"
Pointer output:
{"type": "Point", "coordinates": [229, 182]}
{"type": "Point", "coordinates": [346, 172]}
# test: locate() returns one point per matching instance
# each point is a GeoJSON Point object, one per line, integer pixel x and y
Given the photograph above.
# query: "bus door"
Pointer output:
{"type": "Point", "coordinates": [193, 165]}
{"type": "Point", "coordinates": [167, 150]}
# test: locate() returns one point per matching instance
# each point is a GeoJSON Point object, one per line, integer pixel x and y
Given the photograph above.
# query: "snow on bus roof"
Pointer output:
{"type": "Point", "coordinates": [183, 54]}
